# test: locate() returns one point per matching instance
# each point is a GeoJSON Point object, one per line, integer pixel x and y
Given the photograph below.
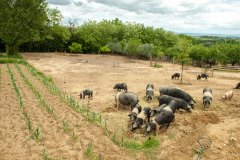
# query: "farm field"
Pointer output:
{"type": "Point", "coordinates": [38, 125]}
{"type": "Point", "coordinates": [219, 123]}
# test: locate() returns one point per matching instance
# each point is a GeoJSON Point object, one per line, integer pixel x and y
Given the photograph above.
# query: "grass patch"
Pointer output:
{"type": "Point", "coordinates": [89, 150]}
{"type": "Point", "coordinates": [11, 60]}
{"type": "Point", "coordinates": [150, 143]}
{"type": "Point", "coordinates": [14, 56]}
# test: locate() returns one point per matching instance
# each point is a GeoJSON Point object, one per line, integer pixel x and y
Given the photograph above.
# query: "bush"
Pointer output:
{"type": "Point", "coordinates": [104, 49]}
{"type": "Point", "coordinates": [75, 48]}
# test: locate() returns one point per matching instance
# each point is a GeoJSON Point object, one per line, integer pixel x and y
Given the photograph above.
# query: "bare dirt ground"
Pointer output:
{"type": "Point", "coordinates": [220, 123]}
{"type": "Point", "coordinates": [56, 143]}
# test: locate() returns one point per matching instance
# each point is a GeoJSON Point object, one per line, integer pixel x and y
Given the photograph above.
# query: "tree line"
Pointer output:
{"type": "Point", "coordinates": [31, 26]}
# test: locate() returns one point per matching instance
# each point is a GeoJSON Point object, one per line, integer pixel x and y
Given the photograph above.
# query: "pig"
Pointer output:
{"type": "Point", "coordinates": [176, 76]}
{"type": "Point", "coordinates": [120, 86]}
{"type": "Point", "coordinates": [126, 99]}
{"type": "Point", "coordinates": [228, 95]}
{"type": "Point", "coordinates": [180, 103]}
{"type": "Point", "coordinates": [154, 112]}
{"type": "Point", "coordinates": [149, 92]}
{"type": "Point", "coordinates": [203, 75]}
{"type": "Point", "coordinates": [142, 117]}
{"type": "Point", "coordinates": [136, 110]}
{"type": "Point", "coordinates": [237, 86]}
{"type": "Point", "coordinates": [165, 117]}
{"type": "Point", "coordinates": [207, 97]}
{"type": "Point", "coordinates": [86, 92]}
{"type": "Point", "coordinates": [178, 93]}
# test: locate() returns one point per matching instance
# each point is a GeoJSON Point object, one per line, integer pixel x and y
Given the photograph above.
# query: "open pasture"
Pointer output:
{"type": "Point", "coordinates": [219, 123]}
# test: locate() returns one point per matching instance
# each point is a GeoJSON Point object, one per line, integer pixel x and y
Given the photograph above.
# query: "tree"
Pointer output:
{"type": "Point", "coordinates": [104, 49]}
{"type": "Point", "coordinates": [75, 48]}
{"type": "Point", "coordinates": [21, 21]}
{"type": "Point", "coordinates": [183, 56]}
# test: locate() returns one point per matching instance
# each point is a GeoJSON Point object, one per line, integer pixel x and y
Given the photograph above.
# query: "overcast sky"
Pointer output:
{"type": "Point", "coordinates": [192, 16]}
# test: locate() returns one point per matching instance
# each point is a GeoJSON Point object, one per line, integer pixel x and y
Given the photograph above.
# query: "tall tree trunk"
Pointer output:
{"type": "Point", "coordinates": [182, 73]}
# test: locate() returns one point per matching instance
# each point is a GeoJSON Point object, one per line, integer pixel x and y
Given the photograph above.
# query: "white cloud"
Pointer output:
{"type": "Point", "coordinates": [208, 16]}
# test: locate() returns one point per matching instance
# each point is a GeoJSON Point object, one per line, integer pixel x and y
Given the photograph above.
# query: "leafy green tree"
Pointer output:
{"type": "Point", "coordinates": [146, 50]}
{"type": "Point", "coordinates": [131, 47]}
{"type": "Point", "coordinates": [198, 53]}
{"type": "Point", "coordinates": [75, 48]}
{"type": "Point", "coordinates": [21, 21]}
{"type": "Point", "coordinates": [183, 55]}
{"type": "Point", "coordinates": [104, 49]}
{"type": "Point", "coordinates": [233, 55]}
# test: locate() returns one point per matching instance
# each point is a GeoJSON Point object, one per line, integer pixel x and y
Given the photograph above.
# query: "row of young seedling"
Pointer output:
{"type": "Point", "coordinates": [90, 115]}
{"type": "Point", "coordinates": [35, 91]}
{"type": "Point", "coordinates": [35, 134]}
{"type": "Point", "coordinates": [65, 124]}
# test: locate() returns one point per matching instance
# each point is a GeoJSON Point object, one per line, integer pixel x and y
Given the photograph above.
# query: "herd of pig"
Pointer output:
{"type": "Point", "coordinates": [170, 100]}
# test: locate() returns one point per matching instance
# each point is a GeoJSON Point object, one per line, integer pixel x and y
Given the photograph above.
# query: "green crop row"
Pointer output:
{"type": "Point", "coordinates": [35, 91]}
{"type": "Point", "coordinates": [20, 100]}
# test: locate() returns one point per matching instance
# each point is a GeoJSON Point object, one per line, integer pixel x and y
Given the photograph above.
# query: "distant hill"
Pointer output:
{"type": "Point", "coordinates": [212, 35]}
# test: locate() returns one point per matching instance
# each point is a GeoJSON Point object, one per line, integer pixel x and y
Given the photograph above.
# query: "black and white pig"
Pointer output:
{"type": "Point", "coordinates": [203, 75]}
{"type": "Point", "coordinates": [86, 92]}
{"type": "Point", "coordinates": [176, 76]}
{"type": "Point", "coordinates": [136, 110]}
{"type": "Point", "coordinates": [165, 117]}
{"type": "Point", "coordinates": [180, 103]}
{"type": "Point", "coordinates": [126, 99]}
{"type": "Point", "coordinates": [149, 92]}
{"type": "Point", "coordinates": [142, 117]}
{"type": "Point", "coordinates": [154, 112]}
{"type": "Point", "coordinates": [178, 93]}
{"type": "Point", "coordinates": [207, 97]}
{"type": "Point", "coordinates": [120, 86]}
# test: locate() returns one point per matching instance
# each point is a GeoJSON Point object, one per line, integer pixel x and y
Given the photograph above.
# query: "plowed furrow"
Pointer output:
{"type": "Point", "coordinates": [54, 140]}
{"type": "Point", "coordinates": [14, 135]}
{"type": "Point", "coordinates": [86, 131]}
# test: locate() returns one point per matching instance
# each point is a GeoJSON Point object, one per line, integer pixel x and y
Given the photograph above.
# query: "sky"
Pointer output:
{"type": "Point", "coordinates": [181, 16]}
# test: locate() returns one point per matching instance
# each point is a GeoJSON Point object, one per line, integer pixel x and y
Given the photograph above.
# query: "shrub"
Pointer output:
{"type": "Point", "coordinates": [104, 49]}
{"type": "Point", "coordinates": [75, 48]}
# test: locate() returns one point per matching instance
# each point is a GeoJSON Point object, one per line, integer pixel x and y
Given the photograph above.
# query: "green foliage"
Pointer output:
{"type": "Point", "coordinates": [66, 126]}
{"type": "Point", "coordinates": [131, 47]}
{"type": "Point", "coordinates": [89, 150]}
{"type": "Point", "coordinates": [12, 60]}
{"type": "Point", "coordinates": [75, 48]}
{"type": "Point", "coordinates": [46, 155]}
{"type": "Point", "coordinates": [150, 143]}
{"type": "Point", "coordinates": [21, 21]}
{"type": "Point", "coordinates": [104, 49]}
{"type": "Point", "coordinates": [37, 134]}
{"type": "Point", "coordinates": [74, 137]}
{"type": "Point", "coordinates": [146, 50]}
